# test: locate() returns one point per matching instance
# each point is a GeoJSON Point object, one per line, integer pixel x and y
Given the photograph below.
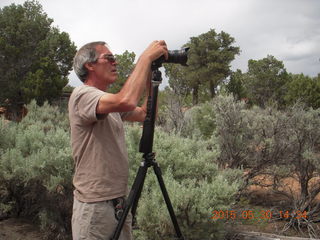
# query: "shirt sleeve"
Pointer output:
{"type": "Point", "coordinates": [87, 103]}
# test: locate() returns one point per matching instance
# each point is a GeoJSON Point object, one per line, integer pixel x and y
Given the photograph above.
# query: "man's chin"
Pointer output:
{"type": "Point", "coordinates": [111, 81]}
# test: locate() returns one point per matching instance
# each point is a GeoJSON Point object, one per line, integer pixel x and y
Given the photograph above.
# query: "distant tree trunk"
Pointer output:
{"type": "Point", "coordinates": [195, 95]}
{"type": "Point", "coordinates": [212, 89]}
{"type": "Point", "coordinates": [304, 180]}
{"type": "Point", "coordinates": [15, 112]}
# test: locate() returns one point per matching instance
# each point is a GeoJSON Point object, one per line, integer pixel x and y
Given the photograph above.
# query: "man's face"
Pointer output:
{"type": "Point", "coordinates": [105, 67]}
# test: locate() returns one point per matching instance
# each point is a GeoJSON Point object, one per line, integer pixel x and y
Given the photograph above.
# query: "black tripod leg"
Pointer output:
{"type": "Point", "coordinates": [135, 203]}
{"type": "Point", "coordinates": [165, 194]}
{"type": "Point", "coordinates": [148, 158]}
{"type": "Point", "coordinates": [132, 198]}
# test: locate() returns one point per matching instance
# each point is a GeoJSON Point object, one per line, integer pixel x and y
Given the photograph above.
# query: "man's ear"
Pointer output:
{"type": "Point", "coordinates": [89, 66]}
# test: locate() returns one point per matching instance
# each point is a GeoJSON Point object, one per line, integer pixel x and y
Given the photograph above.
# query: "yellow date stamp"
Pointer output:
{"type": "Point", "coordinates": [254, 214]}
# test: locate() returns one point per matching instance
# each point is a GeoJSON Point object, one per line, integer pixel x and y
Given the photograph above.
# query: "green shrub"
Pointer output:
{"type": "Point", "coordinates": [36, 169]}
{"type": "Point", "coordinates": [199, 121]}
{"type": "Point", "coordinates": [195, 185]}
{"type": "Point", "coordinates": [280, 144]}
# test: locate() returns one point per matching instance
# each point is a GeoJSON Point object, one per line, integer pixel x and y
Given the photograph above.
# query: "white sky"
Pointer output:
{"type": "Point", "coordinates": [286, 29]}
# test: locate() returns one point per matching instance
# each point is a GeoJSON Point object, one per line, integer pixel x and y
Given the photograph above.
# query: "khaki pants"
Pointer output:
{"type": "Point", "coordinates": [96, 221]}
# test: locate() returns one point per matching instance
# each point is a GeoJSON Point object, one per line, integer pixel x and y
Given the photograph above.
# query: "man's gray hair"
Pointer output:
{"type": "Point", "coordinates": [86, 54]}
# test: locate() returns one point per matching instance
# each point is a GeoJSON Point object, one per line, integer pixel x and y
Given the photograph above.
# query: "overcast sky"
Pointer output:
{"type": "Point", "coordinates": [286, 29]}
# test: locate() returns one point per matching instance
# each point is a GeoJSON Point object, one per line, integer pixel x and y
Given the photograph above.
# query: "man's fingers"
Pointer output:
{"type": "Point", "coordinates": [157, 48]}
{"type": "Point", "coordinates": [162, 42]}
{"type": "Point", "coordinates": [164, 47]}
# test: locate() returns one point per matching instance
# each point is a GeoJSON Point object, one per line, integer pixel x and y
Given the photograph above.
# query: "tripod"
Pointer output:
{"type": "Point", "coordinates": [146, 144]}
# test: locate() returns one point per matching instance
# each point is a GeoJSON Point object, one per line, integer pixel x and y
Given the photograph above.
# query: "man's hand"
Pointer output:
{"type": "Point", "coordinates": [155, 50]}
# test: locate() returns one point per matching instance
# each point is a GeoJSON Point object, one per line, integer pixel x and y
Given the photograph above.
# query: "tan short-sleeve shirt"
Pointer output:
{"type": "Point", "coordinates": [98, 148]}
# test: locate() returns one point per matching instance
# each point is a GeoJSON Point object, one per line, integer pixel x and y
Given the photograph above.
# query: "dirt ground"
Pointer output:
{"type": "Point", "coordinates": [267, 228]}
{"type": "Point", "coordinates": [18, 229]}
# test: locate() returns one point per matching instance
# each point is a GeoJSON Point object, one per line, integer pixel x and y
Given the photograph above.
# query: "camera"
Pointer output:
{"type": "Point", "coordinates": [174, 56]}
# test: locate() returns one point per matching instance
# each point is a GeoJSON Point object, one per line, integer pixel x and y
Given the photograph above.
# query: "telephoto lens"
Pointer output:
{"type": "Point", "coordinates": [174, 56]}
{"type": "Point", "coordinates": [178, 56]}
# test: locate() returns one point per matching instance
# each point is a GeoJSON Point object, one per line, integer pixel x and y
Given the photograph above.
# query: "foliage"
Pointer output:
{"type": "Point", "coordinates": [195, 185]}
{"type": "Point", "coordinates": [202, 120]}
{"type": "Point", "coordinates": [236, 85]}
{"type": "Point", "coordinates": [36, 177]}
{"type": "Point", "coordinates": [265, 82]}
{"type": "Point", "coordinates": [279, 144]}
{"type": "Point", "coordinates": [68, 89]}
{"type": "Point", "coordinates": [36, 168]}
{"type": "Point", "coordinates": [35, 57]}
{"type": "Point", "coordinates": [177, 79]}
{"type": "Point", "coordinates": [276, 144]}
{"type": "Point", "coordinates": [171, 111]}
{"type": "Point", "coordinates": [304, 89]}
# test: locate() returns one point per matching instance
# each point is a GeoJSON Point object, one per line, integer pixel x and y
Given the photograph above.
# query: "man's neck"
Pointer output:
{"type": "Point", "coordinates": [93, 83]}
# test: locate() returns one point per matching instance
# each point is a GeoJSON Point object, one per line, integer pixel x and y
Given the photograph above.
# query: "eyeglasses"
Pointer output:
{"type": "Point", "coordinates": [110, 57]}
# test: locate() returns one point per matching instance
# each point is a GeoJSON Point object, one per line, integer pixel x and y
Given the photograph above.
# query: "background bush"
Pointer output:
{"type": "Point", "coordinates": [279, 144]}
{"type": "Point", "coordinates": [201, 163]}
{"type": "Point", "coordinates": [36, 171]}
{"type": "Point", "coordinates": [195, 184]}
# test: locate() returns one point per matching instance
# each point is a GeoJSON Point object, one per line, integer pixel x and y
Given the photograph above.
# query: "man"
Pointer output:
{"type": "Point", "coordinates": [97, 137]}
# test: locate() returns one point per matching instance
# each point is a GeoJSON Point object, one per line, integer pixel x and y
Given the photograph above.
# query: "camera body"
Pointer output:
{"type": "Point", "coordinates": [174, 56]}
